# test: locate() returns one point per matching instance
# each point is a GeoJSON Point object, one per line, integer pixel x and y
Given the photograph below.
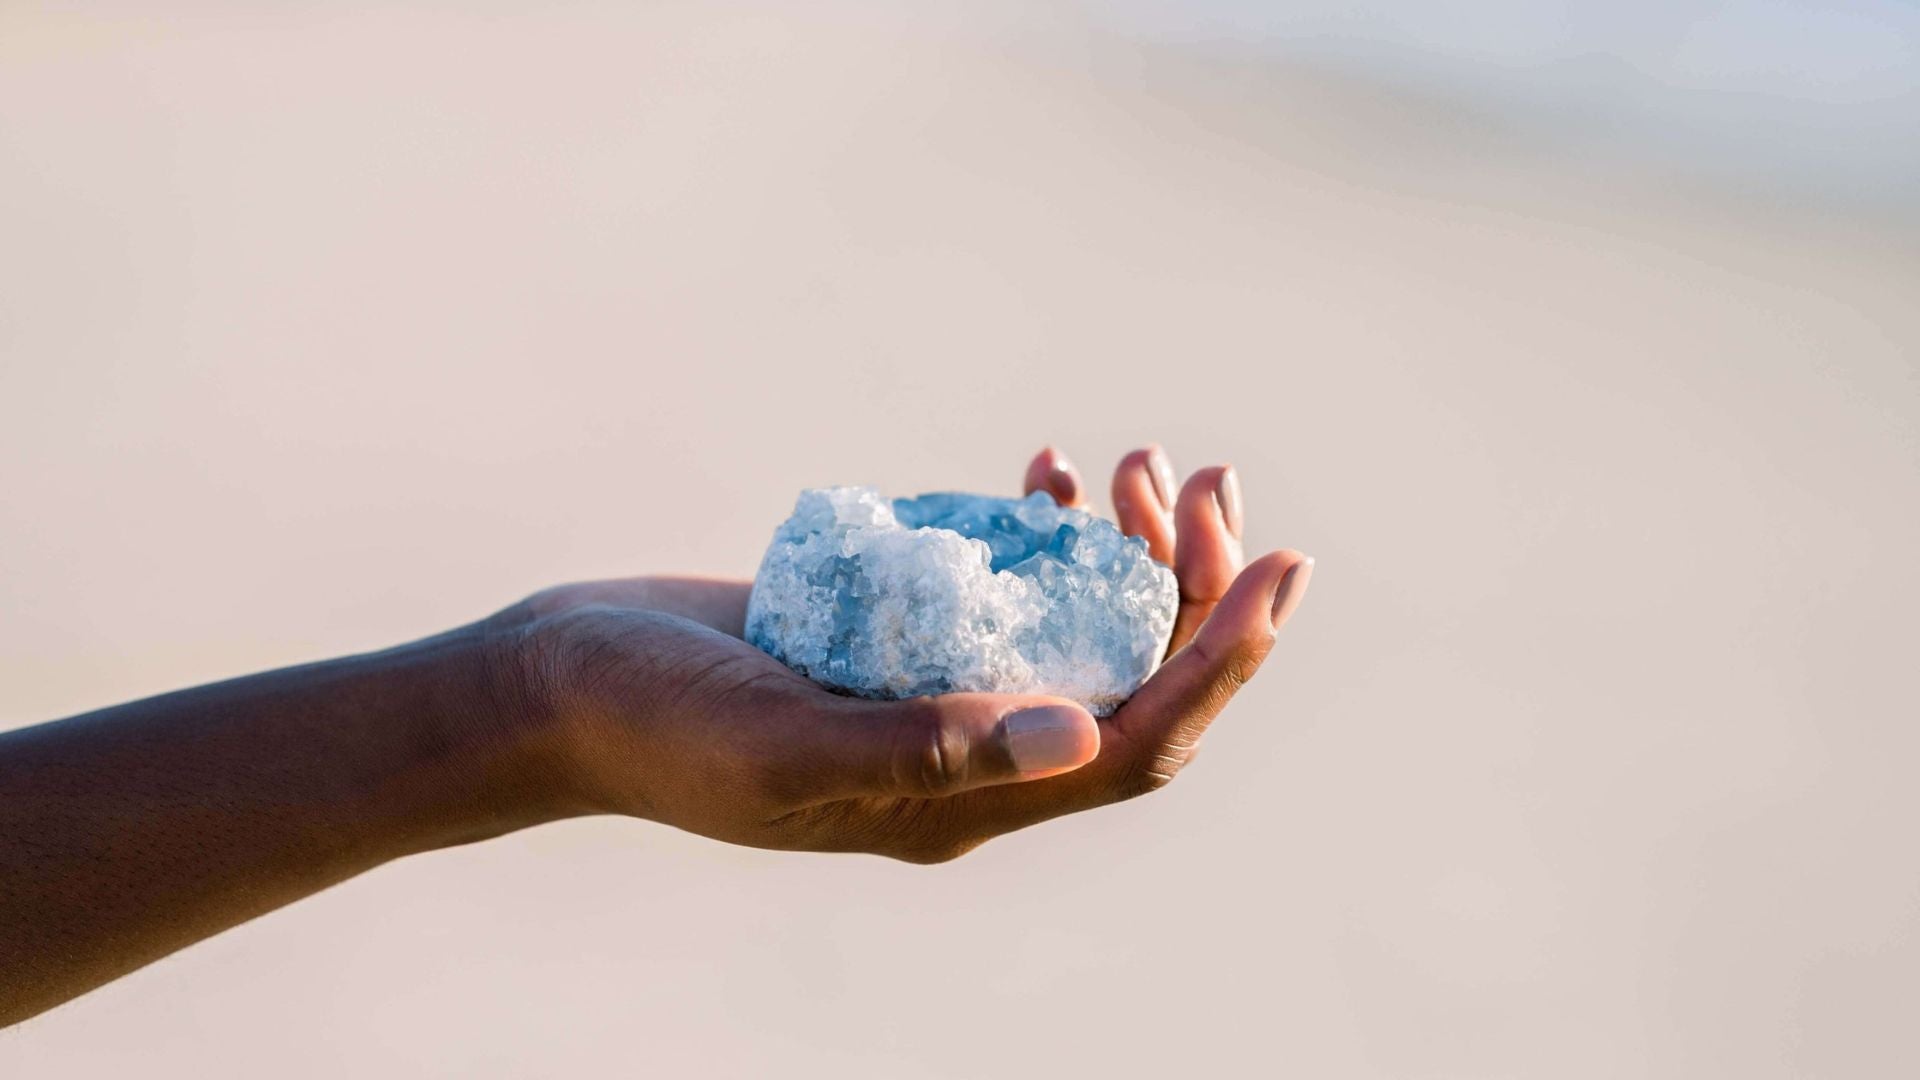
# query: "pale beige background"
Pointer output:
{"type": "Point", "coordinates": [1590, 754]}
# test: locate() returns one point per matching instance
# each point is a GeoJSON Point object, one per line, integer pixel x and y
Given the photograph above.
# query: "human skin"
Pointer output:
{"type": "Point", "coordinates": [133, 831]}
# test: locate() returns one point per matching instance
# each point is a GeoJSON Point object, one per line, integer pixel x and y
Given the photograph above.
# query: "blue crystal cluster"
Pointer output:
{"type": "Point", "coordinates": [946, 592]}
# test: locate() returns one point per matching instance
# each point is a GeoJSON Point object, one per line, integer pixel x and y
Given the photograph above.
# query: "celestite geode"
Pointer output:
{"type": "Point", "coordinates": [947, 592]}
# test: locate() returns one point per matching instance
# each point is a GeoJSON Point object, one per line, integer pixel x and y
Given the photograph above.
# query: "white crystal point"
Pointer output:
{"type": "Point", "coordinates": [950, 592]}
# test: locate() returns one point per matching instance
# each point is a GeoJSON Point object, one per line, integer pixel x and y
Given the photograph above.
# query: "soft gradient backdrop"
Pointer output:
{"type": "Point", "coordinates": [1583, 358]}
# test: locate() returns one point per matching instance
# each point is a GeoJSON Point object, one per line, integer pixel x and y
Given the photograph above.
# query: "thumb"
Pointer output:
{"type": "Point", "coordinates": [932, 747]}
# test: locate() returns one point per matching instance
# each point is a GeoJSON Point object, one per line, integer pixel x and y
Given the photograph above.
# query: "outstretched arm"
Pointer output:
{"type": "Point", "coordinates": [131, 832]}
{"type": "Point", "coordinates": [136, 830]}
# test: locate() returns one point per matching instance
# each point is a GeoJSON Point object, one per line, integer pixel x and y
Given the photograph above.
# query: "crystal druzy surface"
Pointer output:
{"type": "Point", "coordinates": [895, 598]}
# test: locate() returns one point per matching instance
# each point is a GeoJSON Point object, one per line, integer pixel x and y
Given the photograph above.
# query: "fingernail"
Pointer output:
{"type": "Point", "coordinates": [1043, 737]}
{"type": "Point", "coordinates": [1160, 472]}
{"type": "Point", "coordinates": [1227, 494]}
{"type": "Point", "coordinates": [1292, 587]}
{"type": "Point", "coordinates": [1064, 480]}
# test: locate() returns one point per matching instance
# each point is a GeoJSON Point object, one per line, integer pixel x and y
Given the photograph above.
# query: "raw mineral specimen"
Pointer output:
{"type": "Point", "coordinates": [945, 592]}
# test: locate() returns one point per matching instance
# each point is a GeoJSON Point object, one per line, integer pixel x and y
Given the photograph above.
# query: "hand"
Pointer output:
{"type": "Point", "coordinates": [661, 711]}
{"type": "Point", "coordinates": [134, 830]}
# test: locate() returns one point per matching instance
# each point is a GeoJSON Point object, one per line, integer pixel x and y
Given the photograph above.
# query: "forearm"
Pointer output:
{"type": "Point", "coordinates": [130, 832]}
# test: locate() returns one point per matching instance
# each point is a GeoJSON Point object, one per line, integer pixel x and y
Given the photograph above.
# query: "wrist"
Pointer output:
{"type": "Point", "coordinates": [573, 689]}
{"type": "Point", "coordinates": [498, 748]}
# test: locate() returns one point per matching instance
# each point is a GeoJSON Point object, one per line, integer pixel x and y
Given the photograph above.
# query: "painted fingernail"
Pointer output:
{"type": "Point", "coordinates": [1063, 480]}
{"type": "Point", "coordinates": [1227, 493]}
{"type": "Point", "coordinates": [1292, 587]}
{"type": "Point", "coordinates": [1044, 737]}
{"type": "Point", "coordinates": [1160, 472]}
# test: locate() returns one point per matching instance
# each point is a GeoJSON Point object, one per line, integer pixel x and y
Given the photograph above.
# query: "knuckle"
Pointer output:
{"type": "Point", "coordinates": [932, 759]}
{"type": "Point", "coordinates": [1146, 780]}
{"type": "Point", "coordinates": [1154, 772]}
{"type": "Point", "coordinates": [1230, 669]}
{"type": "Point", "coordinates": [1244, 663]}
{"type": "Point", "coordinates": [1234, 666]}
